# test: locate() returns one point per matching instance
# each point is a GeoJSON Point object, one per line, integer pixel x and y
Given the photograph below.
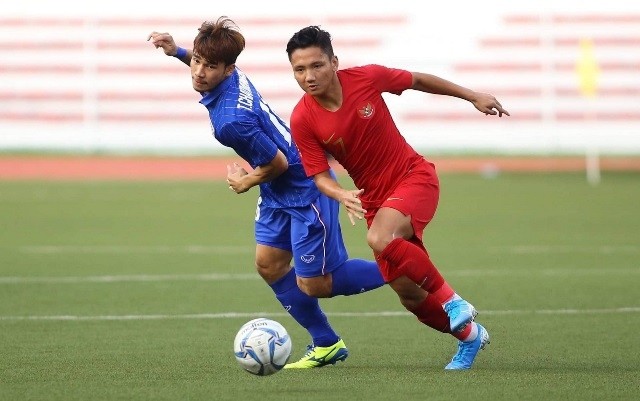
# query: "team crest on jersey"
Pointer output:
{"type": "Point", "coordinates": [366, 110]}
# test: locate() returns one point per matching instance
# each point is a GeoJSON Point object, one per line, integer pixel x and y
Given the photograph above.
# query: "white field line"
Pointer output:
{"type": "Point", "coordinates": [564, 271]}
{"type": "Point", "coordinates": [241, 249]}
{"type": "Point", "coordinates": [233, 315]}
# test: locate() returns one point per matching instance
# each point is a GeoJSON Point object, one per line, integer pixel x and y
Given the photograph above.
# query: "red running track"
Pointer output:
{"type": "Point", "coordinates": [214, 168]}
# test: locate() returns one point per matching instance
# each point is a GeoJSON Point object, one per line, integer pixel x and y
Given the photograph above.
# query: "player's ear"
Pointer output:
{"type": "Point", "coordinates": [228, 70]}
{"type": "Point", "coordinates": [335, 63]}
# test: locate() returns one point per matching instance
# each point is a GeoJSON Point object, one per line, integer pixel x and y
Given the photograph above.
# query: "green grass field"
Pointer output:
{"type": "Point", "coordinates": [134, 291]}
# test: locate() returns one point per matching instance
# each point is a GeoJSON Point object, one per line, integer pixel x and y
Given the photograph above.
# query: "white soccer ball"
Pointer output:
{"type": "Point", "coordinates": [262, 346]}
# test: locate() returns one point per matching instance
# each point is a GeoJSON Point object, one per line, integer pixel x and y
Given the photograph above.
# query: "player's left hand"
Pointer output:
{"type": "Point", "coordinates": [488, 104]}
{"type": "Point", "coordinates": [234, 178]}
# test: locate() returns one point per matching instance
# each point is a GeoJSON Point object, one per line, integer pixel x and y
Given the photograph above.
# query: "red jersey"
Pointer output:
{"type": "Point", "coordinates": [361, 135]}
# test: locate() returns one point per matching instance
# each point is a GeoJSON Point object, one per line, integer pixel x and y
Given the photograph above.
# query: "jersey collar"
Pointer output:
{"type": "Point", "coordinates": [211, 96]}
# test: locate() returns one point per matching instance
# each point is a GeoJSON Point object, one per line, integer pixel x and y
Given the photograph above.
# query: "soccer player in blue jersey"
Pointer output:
{"type": "Point", "coordinates": [294, 221]}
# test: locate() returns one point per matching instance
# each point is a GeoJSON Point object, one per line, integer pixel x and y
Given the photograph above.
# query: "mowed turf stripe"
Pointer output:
{"type": "Point", "coordinates": [471, 272]}
{"type": "Point", "coordinates": [234, 315]}
{"type": "Point", "coordinates": [129, 249]}
{"type": "Point", "coordinates": [131, 278]}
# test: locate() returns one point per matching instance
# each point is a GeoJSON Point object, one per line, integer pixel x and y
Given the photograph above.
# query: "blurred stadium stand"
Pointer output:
{"type": "Point", "coordinates": [94, 83]}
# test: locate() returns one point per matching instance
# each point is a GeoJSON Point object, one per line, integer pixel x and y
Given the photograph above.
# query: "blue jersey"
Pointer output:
{"type": "Point", "coordinates": [242, 121]}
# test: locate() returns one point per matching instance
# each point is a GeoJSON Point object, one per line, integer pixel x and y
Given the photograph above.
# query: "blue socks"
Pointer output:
{"type": "Point", "coordinates": [356, 276]}
{"type": "Point", "coordinates": [305, 310]}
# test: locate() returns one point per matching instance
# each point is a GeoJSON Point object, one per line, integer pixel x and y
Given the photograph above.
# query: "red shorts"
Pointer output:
{"type": "Point", "coordinates": [417, 196]}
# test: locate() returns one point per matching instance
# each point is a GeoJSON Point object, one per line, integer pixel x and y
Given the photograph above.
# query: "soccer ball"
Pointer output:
{"type": "Point", "coordinates": [262, 346]}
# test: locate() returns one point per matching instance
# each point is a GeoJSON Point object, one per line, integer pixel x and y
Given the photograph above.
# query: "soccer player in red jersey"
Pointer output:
{"type": "Point", "coordinates": [344, 114]}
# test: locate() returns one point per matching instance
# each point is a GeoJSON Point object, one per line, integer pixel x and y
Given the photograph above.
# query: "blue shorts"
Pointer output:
{"type": "Point", "coordinates": [312, 233]}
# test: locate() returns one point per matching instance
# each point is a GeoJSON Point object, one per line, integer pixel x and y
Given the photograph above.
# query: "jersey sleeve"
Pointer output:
{"type": "Point", "coordinates": [392, 80]}
{"type": "Point", "coordinates": [249, 142]}
{"type": "Point", "coordinates": [313, 156]}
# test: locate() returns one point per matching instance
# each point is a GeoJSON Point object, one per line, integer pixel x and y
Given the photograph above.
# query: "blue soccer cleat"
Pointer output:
{"type": "Point", "coordinates": [460, 313]}
{"type": "Point", "coordinates": [467, 351]}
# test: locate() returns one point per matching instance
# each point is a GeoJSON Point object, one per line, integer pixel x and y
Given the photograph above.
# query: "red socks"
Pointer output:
{"type": "Point", "coordinates": [430, 312]}
{"type": "Point", "coordinates": [404, 258]}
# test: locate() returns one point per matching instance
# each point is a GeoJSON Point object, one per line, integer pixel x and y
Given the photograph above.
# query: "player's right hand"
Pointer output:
{"type": "Point", "coordinates": [351, 202]}
{"type": "Point", "coordinates": [165, 41]}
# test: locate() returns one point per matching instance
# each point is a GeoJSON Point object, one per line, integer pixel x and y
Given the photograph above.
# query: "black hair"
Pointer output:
{"type": "Point", "coordinates": [311, 36]}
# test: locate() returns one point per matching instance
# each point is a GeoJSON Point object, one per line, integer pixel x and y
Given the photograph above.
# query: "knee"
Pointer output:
{"type": "Point", "coordinates": [377, 240]}
{"type": "Point", "coordinates": [271, 272]}
{"type": "Point", "coordinates": [317, 287]}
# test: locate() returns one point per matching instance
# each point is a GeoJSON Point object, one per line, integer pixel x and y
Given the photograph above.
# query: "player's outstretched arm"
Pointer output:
{"type": "Point", "coordinates": [168, 45]}
{"type": "Point", "coordinates": [349, 198]}
{"type": "Point", "coordinates": [484, 102]}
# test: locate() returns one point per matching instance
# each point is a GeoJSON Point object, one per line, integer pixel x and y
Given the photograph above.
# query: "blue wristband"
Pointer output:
{"type": "Point", "coordinates": [181, 53]}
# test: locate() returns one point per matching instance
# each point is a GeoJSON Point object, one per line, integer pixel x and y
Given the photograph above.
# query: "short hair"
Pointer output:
{"type": "Point", "coordinates": [219, 41]}
{"type": "Point", "coordinates": [311, 36]}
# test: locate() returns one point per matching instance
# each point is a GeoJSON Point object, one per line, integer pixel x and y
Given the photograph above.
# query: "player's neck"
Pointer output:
{"type": "Point", "coordinates": [332, 98]}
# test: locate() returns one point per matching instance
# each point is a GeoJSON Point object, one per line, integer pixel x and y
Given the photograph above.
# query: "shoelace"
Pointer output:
{"type": "Point", "coordinates": [459, 356]}
{"type": "Point", "coordinates": [452, 305]}
{"type": "Point", "coordinates": [310, 349]}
